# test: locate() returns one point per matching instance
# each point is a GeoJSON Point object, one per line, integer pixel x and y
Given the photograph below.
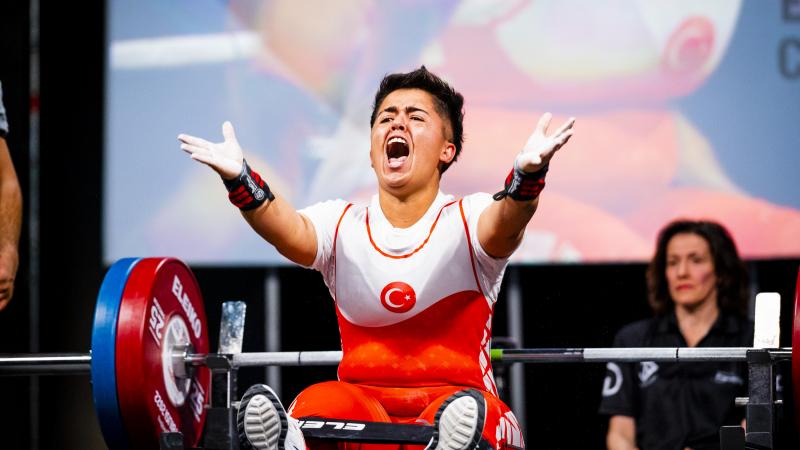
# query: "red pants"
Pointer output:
{"type": "Point", "coordinates": [341, 400]}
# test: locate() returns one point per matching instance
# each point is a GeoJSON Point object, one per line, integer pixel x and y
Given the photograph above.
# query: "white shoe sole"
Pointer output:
{"type": "Point", "coordinates": [459, 422]}
{"type": "Point", "coordinates": [261, 421]}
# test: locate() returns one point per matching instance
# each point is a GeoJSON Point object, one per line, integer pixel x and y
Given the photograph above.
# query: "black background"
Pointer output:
{"type": "Point", "coordinates": [564, 306]}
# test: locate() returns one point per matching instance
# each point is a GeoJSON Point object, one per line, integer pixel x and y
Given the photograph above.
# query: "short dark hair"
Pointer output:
{"type": "Point", "coordinates": [732, 279]}
{"type": "Point", "coordinates": [448, 102]}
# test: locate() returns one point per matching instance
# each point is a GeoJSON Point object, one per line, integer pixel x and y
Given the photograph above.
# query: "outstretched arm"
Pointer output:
{"type": "Point", "coordinates": [502, 224]}
{"type": "Point", "coordinates": [275, 219]}
{"type": "Point", "coordinates": [10, 221]}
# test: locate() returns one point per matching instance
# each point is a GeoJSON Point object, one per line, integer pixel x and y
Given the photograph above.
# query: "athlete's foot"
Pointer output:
{"type": "Point", "coordinates": [263, 424]}
{"type": "Point", "coordinates": [458, 424]}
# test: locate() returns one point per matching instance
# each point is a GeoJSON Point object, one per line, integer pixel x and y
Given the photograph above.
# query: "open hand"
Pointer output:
{"type": "Point", "coordinates": [225, 157]}
{"type": "Point", "coordinates": [540, 147]}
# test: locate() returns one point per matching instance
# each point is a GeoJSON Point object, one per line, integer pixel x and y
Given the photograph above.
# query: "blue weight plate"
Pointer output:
{"type": "Point", "coordinates": [104, 338]}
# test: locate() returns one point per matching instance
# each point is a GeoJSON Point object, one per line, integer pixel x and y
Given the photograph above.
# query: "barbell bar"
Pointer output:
{"type": "Point", "coordinates": [150, 350]}
{"type": "Point", "coordinates": [55, 363]}
{"type": "Point", "coordinates": [536, 355]}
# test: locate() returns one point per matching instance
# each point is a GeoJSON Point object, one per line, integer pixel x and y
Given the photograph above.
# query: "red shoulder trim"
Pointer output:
{"type": "Point", "coordinates": [336, 233]}
{"type": "Point", "coordinates": [469, 243]}
{"type": "Point", "coordinates": [335, 238]}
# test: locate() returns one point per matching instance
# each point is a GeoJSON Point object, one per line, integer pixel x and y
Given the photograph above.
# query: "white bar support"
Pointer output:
{"type": "Point", "coordinates": [768, 320]}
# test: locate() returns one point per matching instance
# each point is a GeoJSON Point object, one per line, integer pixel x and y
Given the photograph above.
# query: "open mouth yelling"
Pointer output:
{"type": "Point", "coordinates": [396, 152]}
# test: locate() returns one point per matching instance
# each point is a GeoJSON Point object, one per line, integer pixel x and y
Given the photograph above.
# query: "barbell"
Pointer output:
{"type": "Point", "coordinates": [150, 347]}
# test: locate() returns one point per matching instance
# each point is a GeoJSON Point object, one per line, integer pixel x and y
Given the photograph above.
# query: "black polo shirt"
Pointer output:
{"type": "Point", "coordinates": [678, 405]}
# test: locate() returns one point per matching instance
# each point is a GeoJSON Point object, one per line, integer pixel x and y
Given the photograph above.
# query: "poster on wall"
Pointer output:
{"type": "Point", "coordinates": [684, 109]}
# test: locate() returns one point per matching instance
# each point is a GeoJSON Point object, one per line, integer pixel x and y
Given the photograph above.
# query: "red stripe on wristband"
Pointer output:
{"type": "Point", "coordinates": [523, 186]}
{"type": "Point", "coordinates": [234, 198]}
{"type": "Point", "coordinates": [257, 179]}
{"type": "Point", "coordinates": [243, 202]}
{"type": "Point", "coordinates": [248, 190]}
{"type": "Point", "coordinates": [238, 196]}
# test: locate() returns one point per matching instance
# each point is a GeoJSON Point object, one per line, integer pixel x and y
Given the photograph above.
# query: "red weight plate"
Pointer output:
{"type": "Point", "coordinates": [161, 308]}
{"type": "Point", "coordinates": [796, 351]}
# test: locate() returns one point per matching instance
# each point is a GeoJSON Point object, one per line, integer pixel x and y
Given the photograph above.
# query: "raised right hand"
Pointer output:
{"type": "Point", "coordinates": [225, 157]}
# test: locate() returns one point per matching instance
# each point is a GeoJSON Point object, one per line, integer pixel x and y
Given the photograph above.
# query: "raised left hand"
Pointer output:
{"type": "Point", "coordinates": [540, 148]}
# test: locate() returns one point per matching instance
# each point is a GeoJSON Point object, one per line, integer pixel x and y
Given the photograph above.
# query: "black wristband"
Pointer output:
{"type": "Point", "coordinates": [523, 186]}
{"type": "Point", "coordinates": [248, 191]}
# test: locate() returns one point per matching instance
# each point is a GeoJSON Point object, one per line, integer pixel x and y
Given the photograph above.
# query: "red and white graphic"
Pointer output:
{"type": "Point", "coordinates": [508, 430]}
{"type": "Point", "coordinates": [398, 297]}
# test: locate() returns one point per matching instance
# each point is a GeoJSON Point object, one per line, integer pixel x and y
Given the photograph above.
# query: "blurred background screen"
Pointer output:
{"type": "Point", "coordinates": [685, 109]}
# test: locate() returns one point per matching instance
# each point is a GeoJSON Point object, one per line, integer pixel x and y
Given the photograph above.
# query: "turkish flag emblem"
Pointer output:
{"type": "Point", "coordinates": [398, 297]}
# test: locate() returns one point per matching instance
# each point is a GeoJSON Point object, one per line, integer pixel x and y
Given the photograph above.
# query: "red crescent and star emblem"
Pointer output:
{"type": "Point", "coordinates": [398, 297]}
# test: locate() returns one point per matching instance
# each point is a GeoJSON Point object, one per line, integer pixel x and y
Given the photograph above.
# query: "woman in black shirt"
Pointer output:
{"type": "Point", "coordinates": [698, 290]}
